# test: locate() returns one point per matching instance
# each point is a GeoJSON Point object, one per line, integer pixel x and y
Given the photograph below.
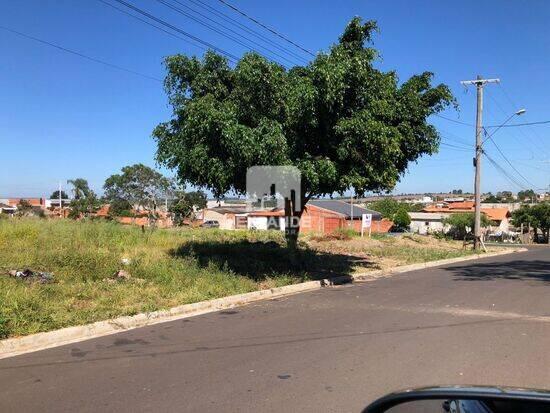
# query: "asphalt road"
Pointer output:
{"type": "Point", "coordinates": [482, 322]}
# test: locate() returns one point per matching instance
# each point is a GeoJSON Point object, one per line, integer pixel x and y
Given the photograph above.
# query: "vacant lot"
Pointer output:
{"type": "Point", "coordinates": [166, 267]}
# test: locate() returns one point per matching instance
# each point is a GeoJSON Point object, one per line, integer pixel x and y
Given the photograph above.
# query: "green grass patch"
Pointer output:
{"type": "Point", "coordinates": [167, 267]}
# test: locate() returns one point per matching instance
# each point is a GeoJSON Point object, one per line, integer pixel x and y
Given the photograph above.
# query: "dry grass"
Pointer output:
{"type": "Point", "coordinates": [385, 251]}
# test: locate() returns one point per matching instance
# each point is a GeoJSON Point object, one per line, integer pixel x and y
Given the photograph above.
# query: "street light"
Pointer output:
{"type": "Point", "coordinates": [518, 113]}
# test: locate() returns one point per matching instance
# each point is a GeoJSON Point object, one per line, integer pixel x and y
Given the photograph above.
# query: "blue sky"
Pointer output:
{"type": "Point", "coordinates": [63, 117]}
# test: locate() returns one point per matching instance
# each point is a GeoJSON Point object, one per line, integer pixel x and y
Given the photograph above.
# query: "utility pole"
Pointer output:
{"type": "Point", "coordinates": [351, 209]}
{"type": "Point", "coordinates": [479, 82]}
{"type": "Point", "coordinates": [60, 202]}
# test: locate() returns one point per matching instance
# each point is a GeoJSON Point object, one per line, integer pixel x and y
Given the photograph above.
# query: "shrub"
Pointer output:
{"type": "Point", "coordinates": [401, 219]}
{"type": "Point", "coordinates": [463, 223]}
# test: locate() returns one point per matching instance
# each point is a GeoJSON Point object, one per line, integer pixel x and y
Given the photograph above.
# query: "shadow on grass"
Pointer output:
{"type": "Point", "coordinates": [259, 260]}
{"type": "Point", "coordinates": [535, 270]}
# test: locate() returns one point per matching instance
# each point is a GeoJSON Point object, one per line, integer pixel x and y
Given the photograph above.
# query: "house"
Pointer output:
{"type": "Point", "coordinates": [234, 217]}
{"type": "Point", "coordinates": [326, 216]}
{"type": "Point", "coordinates": [34, 202]}
{"type": "Point", "coordinates": [271, 219]}
{"type": "Point", "coordinates": [6, 209]}
{"type": "Point", "coordinates": [500, 216]}
{"type": "Point", "coordinates": [427, 222]}
{"type": "Point", "coordinates": [54, 202]}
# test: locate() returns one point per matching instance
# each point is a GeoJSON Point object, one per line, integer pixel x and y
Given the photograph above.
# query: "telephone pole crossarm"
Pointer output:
{"type": "Point", "coordinates": [479, 82]}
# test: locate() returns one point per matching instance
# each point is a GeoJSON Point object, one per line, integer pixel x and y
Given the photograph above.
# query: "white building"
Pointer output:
{"type": "Point", "coordinates": [427, 222]}
{"type": "Point", "coordinates": [264, 220]}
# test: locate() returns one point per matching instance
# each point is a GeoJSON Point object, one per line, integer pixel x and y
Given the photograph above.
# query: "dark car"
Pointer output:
{"type": "Point", "coordinates": [210, 224]}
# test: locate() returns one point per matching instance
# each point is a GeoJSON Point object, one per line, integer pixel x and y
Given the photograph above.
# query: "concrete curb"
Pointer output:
{"type": "Point", "coordinates": [41, 341]}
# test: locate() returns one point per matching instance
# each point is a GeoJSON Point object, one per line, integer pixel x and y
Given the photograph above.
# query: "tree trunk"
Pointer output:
{"type": "Point", "coordinates": [292, 224]}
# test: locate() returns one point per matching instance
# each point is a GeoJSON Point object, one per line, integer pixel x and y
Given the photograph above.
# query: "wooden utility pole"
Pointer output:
{"type": "Point", "coordinates": [479, 82]}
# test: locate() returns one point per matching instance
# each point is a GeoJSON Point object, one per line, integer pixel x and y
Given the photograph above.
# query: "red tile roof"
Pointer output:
{"type": "Point", "coordinates": [496, 214]}
{"type": "Point", "coordinates": [274, 213]}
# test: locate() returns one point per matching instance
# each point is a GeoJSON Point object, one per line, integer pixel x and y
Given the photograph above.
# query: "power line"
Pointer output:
{"type": "Point", "coordinates": [512, 125]}
{"type": "Point", "coordinates": [211, 27]}
{"type": "Point", "coordinates": [503, 172]}
{"type": "Point", "coordinates": [452, 137]}
{"type": "Point", "coordinates": [176, 29]}
{"type": "Point", "coordinates": [266, 27]}
{"type": "Point", "coordinates": [522, 144]}
{"type": "Point", "coordinates": [236, 23]}
{"type": "Point", "coordinates": [510, 163]}
{"type": "Point", "coordinates": [454, 120]}
{"type": "Point", "coordinates": [456, 148]}
{"type": "Point", "coordinates": [182, 12]}
{"type": "Point", "coordinates": [153, 25]}
{"type": "Point", "coordinates": [93, 59]}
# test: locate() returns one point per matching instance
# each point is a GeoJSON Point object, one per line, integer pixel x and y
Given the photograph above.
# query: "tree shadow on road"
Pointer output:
{"type": "Point", "coordinates": [260, 260]}
{"type": "Point", "coordinates": [535, 270]}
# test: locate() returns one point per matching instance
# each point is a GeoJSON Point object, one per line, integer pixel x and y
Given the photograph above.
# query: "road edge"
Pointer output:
{"type": "Point", "coordinates": [40, 341]}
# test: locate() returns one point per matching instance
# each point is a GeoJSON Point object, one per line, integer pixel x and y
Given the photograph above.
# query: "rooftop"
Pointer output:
{"type": "Point", "coordinates": [344, 208]}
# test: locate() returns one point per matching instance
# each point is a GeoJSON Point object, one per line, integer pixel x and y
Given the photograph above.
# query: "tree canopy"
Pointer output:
{"type": "Point", "coordinates": [401, 218]}
{"type": "Point", "coordinates": [185, 205]}
{"type": "Point", "coordinates": [527, 195]}
{"type": "Point", "coordinates": [139, 185]}
{"type": "Point", "coordinates": [341, 121]}
{"type": "Point", "coordinates": [386, 206]}
{"type": "Point", "coordinates": [462, 223]}
{"type": "Point", "coordinates": [81, 189]}
{"type": "Point", "coordinates": [55, 195]}
{"type": "Point", "coordinates": [537, 216]}
{"type": "Point", "coordinates": [84, 200]}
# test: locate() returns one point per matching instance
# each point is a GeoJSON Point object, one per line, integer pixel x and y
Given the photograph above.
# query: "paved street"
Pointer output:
{"type": "Point", "coordinates": [482, 322]}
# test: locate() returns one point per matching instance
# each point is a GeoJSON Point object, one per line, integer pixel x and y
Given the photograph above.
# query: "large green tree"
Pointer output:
{"type": "Point", "coordinates": [139, 185]}
{"type": "Point", "coordinates": [80, 189]}
{"type": "Point", "coordinates": [340, 120]}
{"type": "Point", "coordinates": [461, 224]}
{"type": "Point", "coordinates": [536, 216]}
{"type": "Point", "coordinates": [186, 204]}
{"type": "Point", "coordinates": [84, 200]}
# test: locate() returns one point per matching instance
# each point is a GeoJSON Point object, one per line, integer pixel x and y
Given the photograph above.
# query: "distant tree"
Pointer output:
{"type": "Point", "coordinates": [491, 199]}
{"type": "Point", "coordinates": [81, 189]}
{"type": "Point", "coordinates": [460, 223]}
{"type": "Point", "coordinates": [505, 196]}
{"type": "Point", "coordinates": [537, 216]}
{"type": "Point", "coordinates": [416, 207]}
{"type": "Point", "coordinates": [527, 195]}
{"type": "Point", "coordinates": [84, 200]}
{"type": "Point", "coordinates": [186, 204]}
{"type": "Point", "coordinates": [386, 206]}
{"type": "Point", "coordinates": [401, 218]}
{"type": "Point", "coordinates": [24, 208]}
{"type": "Point", "coordinates": [340, 120]}
{"type": "Point", "coordinates": [457, 192]}
{"type": "Point", "coordinates": [139, 185]}
{"type": "Point", "coordinates": [55, 195]}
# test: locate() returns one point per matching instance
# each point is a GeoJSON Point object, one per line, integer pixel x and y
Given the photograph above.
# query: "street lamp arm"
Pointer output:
{"type": "Point", "coordinates": [518, 113]}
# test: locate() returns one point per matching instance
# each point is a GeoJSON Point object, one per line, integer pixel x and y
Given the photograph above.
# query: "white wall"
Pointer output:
{"type": "Point", "coordinates": [261, 223]}
{"type": "Point", "coordinates": [227, 221]}
{"type": "Point", "coordinates": [420, 227]}
{"type": "Point", "coordinates": [257, 223]}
